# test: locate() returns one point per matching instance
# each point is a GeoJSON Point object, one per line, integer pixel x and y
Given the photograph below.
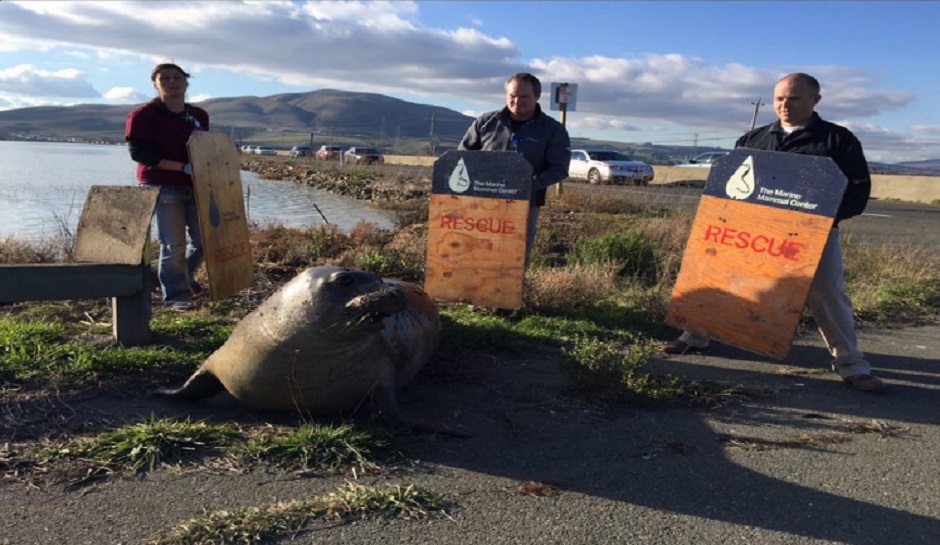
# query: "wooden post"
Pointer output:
{"type": "Point", "coordinates": [559, 188]}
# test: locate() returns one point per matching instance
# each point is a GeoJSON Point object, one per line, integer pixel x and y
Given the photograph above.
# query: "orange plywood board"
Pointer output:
{"type": "Point", "coordinates": [746, 273]}
{"type": "Point", "coordinates": [218, 187]}
{"type": "Point", "coordinates": [476, 250]}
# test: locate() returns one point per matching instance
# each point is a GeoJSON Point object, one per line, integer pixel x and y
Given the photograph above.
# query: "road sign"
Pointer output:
{"type": "Point", "coordinates": [564, 96]}
{"type": "Point", "coordinates": [217, 182]}
{"type": "Point", "coordinates": [477, 224]}
{"type": "Point", "coordinates": [760, 229]}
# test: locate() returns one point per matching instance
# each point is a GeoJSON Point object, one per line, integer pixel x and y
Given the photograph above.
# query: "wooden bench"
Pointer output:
{"type": "Point", "coordinates": [111, 260]}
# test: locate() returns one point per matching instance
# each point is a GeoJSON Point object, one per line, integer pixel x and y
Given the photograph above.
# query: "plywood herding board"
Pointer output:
{"type": "Point", "coordinates": [476, 250]}
{"type": "Point", "coordinates": [115, 225]}
{"type": "Point", "coordinates": [218, 188]}
{"type": "Point", "coordinates": [746, 273]}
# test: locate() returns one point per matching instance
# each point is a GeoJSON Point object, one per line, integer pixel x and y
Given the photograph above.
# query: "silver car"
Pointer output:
{"type": "Point", "coordinates": [608, 167]}
{"type": "Point", "coordinates": [705, 159]}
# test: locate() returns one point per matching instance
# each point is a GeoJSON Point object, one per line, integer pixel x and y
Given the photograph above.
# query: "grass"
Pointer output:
{"type": "Point", "coordinates": [39, 353]}
{"type": "Point", "coordinates": [146, 446]}
{"type": "Point", "coordinates": [352, 501]}
{"type": "Point", "coordinates": [313, 446]}
{"type": "Point", "coordinates": [842, 433]}
{"type": "Point", "coordinates": [142, 447]}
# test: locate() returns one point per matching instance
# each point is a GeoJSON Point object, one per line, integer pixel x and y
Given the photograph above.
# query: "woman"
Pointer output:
{"type": "Point", "coordinates": [157, 133]}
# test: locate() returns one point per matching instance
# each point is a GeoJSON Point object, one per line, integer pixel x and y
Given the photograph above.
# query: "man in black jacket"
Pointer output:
{"type": "Point", "coordinates": [799, 129]}
{"type": "Point", "coordinates": [522, 127]}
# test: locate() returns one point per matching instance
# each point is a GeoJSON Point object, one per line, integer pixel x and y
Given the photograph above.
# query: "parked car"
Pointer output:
{"type": "Point", "coordinates": [264, 150]}
{"type": "Point", "coordinates": [328, 152]}
{"type": "Point", "coordinates": [705, 159]}
{"type": "Point", "coordinates": [363, 156]}
{"type": "Point", "coordinates": [301, 151]}
{"type": "Point", "coordinates": [608, 167]}
{"type": "Point", "coordinates": [248, 148]}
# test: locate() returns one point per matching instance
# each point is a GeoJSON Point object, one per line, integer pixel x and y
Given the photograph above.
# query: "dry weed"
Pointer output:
{"type": "Point", "coordinates": [55, 249]}
{"type": "Point", "coordinates": [570, 288]}
{"type": "Point", "coordinates": [892, 282]}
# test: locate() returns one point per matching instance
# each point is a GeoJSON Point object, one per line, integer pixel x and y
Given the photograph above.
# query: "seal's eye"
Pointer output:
{"type": "Point", "coordinates": [343, 279]}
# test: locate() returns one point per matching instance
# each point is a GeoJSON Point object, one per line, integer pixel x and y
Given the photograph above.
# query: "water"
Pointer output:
{"type": "Point", "coordinates": [43, 187]}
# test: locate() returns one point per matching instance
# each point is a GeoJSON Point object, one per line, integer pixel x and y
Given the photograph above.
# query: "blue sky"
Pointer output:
{"type": "Point", "coordinates": [661, 72]}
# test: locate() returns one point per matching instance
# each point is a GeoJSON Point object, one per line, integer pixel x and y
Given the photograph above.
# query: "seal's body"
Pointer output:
{"type": "Point", "coordinates": [324, 343]}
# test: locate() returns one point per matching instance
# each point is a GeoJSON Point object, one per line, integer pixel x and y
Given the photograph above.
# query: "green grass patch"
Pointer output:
{"type": "Point", "coordinates": [34, 352]}
{"type": "Point", "coordinates": [197, 333]}
{"type": "Point", "coordinates": [145, 446]}
{"type": "Point", "coordinates": [313, 446]}
{"type": "Point", "coordinates": [613, 369]}
{"type": "Point", "coordinates": [248, 526]}
{"type": "Point", "coordinates": [633, 251]}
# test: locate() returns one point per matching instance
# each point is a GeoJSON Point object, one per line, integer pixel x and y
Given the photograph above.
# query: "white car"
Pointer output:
{"type": "Point", "coordinates": [264, 150]}
{"type": "Point", "coordinates": [608, 167]}
{"type": "Point", "coordinates": [705, 159]}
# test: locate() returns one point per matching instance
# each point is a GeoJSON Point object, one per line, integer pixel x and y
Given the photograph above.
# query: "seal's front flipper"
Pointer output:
{"type": "Point", "coordinates": [387, 398]}
{"type": "Point", "coordinates": [201, 385]}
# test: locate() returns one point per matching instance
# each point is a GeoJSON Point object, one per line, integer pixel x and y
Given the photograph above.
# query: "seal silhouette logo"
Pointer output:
{"type": "Point", "coordinates": [741, 184]}
{"type": "Point", "coordinates": [459, 181]}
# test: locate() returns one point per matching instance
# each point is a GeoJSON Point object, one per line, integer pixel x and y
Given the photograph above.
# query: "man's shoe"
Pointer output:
{"type": "Point", "coordinates": [865, 383]}
{"type": "Point", "coordinates": [681, 347]}
{"type": "Point", "coordinates": [181, 306]}
{"type": "Point", "coordinates": [198, 290]}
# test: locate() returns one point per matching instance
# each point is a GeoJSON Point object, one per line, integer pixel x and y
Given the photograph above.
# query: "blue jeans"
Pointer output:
{"type": "Point", "coordinates": [176, 213]}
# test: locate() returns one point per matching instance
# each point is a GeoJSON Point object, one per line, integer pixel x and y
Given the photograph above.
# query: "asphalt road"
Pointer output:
{"type": "Point", "coordinates": [883, 221]}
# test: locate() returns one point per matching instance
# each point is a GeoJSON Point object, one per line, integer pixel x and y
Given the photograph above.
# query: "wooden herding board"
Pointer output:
{"type": "Point", "coordinates": [760, 230]}
{"type": "Point", "coordinates": [478, 216]}
{"type": "Point", "coordinates": [114, 227]}
{"type": "Point", "coordinates": [218, 187]}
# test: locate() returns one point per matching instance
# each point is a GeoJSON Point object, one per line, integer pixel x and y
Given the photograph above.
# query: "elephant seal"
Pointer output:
{"type": "Point", "coordinates": [323, 344]}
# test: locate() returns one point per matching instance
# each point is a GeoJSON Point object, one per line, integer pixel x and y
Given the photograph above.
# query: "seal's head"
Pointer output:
{"type": "Point", "coordinates": [332, 302]}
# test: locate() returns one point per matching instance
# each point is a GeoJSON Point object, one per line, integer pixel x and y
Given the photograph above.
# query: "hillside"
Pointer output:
{"type": "Point", "coordinates": [326, 113]}
{"type": "Point", "coordinates": [328, 116]}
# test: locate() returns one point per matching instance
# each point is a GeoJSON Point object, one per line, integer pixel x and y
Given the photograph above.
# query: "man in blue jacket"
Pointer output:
{"type": "Point", "coordinates": [799, 129]}
{"type": "Point", "coordinates": [522, 127]}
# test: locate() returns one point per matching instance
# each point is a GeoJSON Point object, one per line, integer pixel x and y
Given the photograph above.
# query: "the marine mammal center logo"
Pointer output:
{"type": "Point", "coordinates": [741, 184]}
{"type": "Point", "coordinates": [459, 181]}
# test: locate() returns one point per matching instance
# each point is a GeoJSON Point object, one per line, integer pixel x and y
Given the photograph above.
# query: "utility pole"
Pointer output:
{"type": "Point", "coordinates": [331, 135]}
{"type": "Point", "coordinates": [431, 150]}
{"type": "Point", "coordinates": [382, 141]}
{"type": "Point", "coordinates": [757, 106]}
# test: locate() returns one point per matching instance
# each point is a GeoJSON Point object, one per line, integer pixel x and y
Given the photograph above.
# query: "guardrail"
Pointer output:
{"type": "Point", "coordinates": [111, 260]}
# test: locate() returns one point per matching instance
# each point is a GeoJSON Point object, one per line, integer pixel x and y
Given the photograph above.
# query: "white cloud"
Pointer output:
{"type": "Point", "coordinates": [28, 80]}
{"type": "Point", "coordinates": [599, 123]}
{"type": "Point", "coordinates": [383, 47]}
{"type": "Point", "coordinates": [199, 98]}
{"type": "Point", "coordinates": [124, 95]}
{"type": "Point", "coordinates": [926, 130]}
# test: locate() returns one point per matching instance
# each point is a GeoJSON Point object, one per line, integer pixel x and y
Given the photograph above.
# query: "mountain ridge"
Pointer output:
{"type": "Point", "coordinates": [325, 116]}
